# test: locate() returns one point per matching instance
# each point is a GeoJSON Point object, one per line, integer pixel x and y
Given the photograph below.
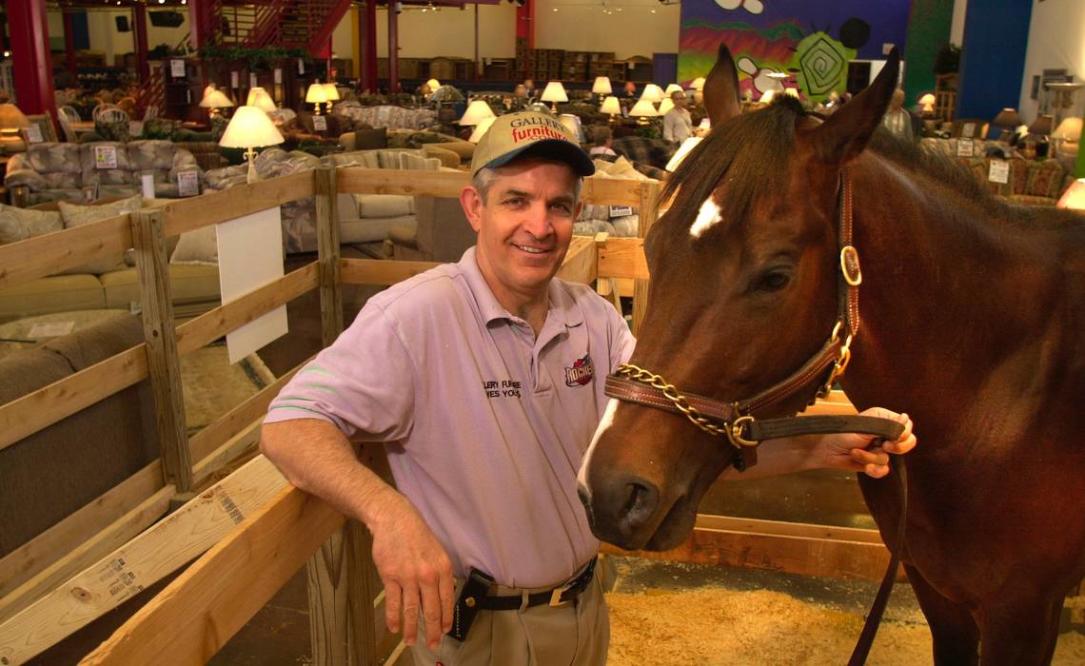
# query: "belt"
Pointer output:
{"type": "Point", "coordinates": [557, 596]}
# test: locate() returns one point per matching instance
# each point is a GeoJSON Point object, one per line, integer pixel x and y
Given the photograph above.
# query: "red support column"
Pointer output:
{"type": "Point", "coordinates": [30, 54]}
{"type": "Point", "coordinates": [525, 30]}
{"type": "Point", "coordinates": [393, 48]}
{"type": "Point", "coordinates": [369, 53]}
{"type": "Point", "coordinates": [201, 21]}
{"type": "Point", "coordinates": [69, 45]}
{"type": "Point", "coordinates": [139, 36]}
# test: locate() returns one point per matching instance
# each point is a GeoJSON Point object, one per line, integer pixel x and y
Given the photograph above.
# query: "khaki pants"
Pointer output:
{"type": "Point", "coordinates": [576, 634]}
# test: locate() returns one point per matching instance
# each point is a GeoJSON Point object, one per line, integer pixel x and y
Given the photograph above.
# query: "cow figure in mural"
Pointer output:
{"type": "Point", "coordinates": [972, 319]}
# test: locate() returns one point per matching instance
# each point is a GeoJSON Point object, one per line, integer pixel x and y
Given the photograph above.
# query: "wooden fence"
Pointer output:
{"type": "Point", "coordinates": [252, 531]}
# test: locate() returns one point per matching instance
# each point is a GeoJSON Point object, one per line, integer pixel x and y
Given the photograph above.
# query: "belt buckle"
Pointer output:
{"type": "Point", "coordinates": [555, 595]}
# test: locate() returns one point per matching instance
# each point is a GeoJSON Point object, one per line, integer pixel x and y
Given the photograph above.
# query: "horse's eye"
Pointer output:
{"type": "Point", "coordinates": [772, 281]}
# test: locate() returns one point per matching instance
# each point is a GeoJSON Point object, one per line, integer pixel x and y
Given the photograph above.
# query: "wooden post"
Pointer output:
{"type": "Point", "coordinates": [163, 363]}
{"type": "Point", "coordinates": [327, 240]}
{"type": "Point", "coordinates": [649, 201]}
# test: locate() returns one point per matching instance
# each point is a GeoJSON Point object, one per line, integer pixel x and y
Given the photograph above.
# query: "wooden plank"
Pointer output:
{"type": "Point", "coordinates": [201, 609]}
{"type": "Point", "coordinates": [143, 561]}
{"type": "Point", "coordinates": [21, 564]}
{"type": "Point", "coordinates": [25, 416]}
{"type": "Point", "coordinates": [579, 263]}
{"type": "Point", "coordinates": [218, 322]}
{"type": "Point", "coordinates": [52, 253]}
{"type": "Point", "coordinates": [623, 258]}
{"type": "Point", "coordinates": [377, 271]}
{"type": "Point", "coordinates": [834, 558]}
{"type": "Point", "coordinates": [194, 212]}
{"type": "Point", "coordinates": [613, 191]}
{"type": "Point", "coordinates": [236, 447]}
{"type": "Point", "coordinates": [783, 528]}
{"type": "Point", "coordinates": [648, 211]}
{"type": "Point", "coordinates": [87, 553]}
{"type": "Point", "coordinates": [341, 627]}
{"type": "Point", "coordinates": [163, 361]}
{"type": "Point", "coordinates": [359, 180]}
{"type": "Point", "coordinates": [327, 237]}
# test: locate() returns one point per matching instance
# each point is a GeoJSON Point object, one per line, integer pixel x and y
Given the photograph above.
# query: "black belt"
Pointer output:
{"type": "Point", "coordinates": [557, 596]}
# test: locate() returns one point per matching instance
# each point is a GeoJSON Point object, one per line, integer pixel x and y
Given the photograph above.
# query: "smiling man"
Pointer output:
{"type": "Point", "coordinates": [484, 380]}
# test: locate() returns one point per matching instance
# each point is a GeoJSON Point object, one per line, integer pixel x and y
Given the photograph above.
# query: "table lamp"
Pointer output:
{"type": "Point", "coordinates": [926, 104]}
{"type": "Point", "coordinates": [481, 129]}
{"type": "Point", "coordinates": [1068, 132]}
{"type": "Point", "coordinates": [332, 93]}
{"type": "Point", "coordinates": [433, 85]}
{"type": "Point", "coordinates": [215, 100]}
{"type": "Point", "coordinates": [250, 128]}
{"type": "Point", "coordinates": [554, 93]}
{"type": "Point", "coordinates": [477, 111]}
{"type": "Point", "coordinates": [260, 98]}
{"type": "Point", "coordinates": [643, 110]}
{"type": "Point", "coordinates": [767, 96]}
{"type": "Point", "coordinates": [665, 106]}
{"type": "Point", "coordinates": [612, 107]}
{"type": "Point", "coordinates": [652, 93]}
{"type": "Point", "coordinates": [697, 84]}
{"type": "Point", "coordinates": [688, 145]}
{"type": "Point", "coordinates": [601, 86]}
{"type": "Point", "coordinates": [12, 121]}
{"type": "Point", "coordinates": [1074, 197]}
{"type": "Point", "coordinates": [1007, 119]}
{"type": "Point", "coordinates": [672, 88]}
{"type": "Point", "coordinates": [316, 95]}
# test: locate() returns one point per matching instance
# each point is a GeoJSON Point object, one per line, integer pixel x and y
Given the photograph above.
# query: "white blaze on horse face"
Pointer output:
{"type": "Point", "coordinates": [707, 218]}
{"type": "Point", "coordinates": [604, 423]}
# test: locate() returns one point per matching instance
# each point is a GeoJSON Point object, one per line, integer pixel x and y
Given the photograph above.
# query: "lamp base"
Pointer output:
{"type": "Point", "coordinates": [252, 176]}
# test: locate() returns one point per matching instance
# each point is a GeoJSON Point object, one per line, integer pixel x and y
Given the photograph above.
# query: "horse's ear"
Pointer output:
{"type": "Point", "coordinates": [845, 134]}
{"type": "Point", "coordinates": [721, 89]}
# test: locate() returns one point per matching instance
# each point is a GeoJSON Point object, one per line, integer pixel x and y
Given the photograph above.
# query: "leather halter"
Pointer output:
{"type": "Point", "coordinates": [736, 420]}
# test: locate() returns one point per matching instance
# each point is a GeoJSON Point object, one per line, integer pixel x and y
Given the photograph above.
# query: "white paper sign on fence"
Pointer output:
{"type": "Point", "coordinates": [251, 256]}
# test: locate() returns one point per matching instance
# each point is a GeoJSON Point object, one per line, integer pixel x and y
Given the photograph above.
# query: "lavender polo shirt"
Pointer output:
{"type": "Point", "coordinates": [485, 424]}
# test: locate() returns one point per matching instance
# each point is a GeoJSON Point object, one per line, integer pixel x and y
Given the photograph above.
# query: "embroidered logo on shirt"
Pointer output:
{"type": "Point", "coordinates": [506, 388]}
{"type": "Point", "coordinates": [581, 373]}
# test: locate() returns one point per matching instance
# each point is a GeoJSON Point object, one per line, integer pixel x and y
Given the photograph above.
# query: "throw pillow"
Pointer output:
{"type": "Point", "coordinates": [18, 224]}
{"type": "Point", "coordinates": [418, 162]}
{"type": "Point", "coordinates": [76, 215]}
{"type": "Point", "coordinates": [368, 139]}
{"type": "Point", "coordinates": [384, 205]}
{"type": "Point", "coordinates": [199, 246]}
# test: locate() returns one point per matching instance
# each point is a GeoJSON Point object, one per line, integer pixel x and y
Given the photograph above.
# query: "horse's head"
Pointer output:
{"type": "Point", "coordinates": [744, 271]}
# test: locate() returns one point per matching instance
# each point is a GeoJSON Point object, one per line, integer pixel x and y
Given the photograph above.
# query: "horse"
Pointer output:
{"type": "Point", "coordinates": [972, 316]}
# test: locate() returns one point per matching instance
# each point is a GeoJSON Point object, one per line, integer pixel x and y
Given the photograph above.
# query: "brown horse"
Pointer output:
{"type": "Point", "coordinates": [973, 322]}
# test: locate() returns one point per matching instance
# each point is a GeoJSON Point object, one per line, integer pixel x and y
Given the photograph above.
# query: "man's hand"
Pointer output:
{"type": "Point", "coordinates": [864, 453]}
{"type": "Point", "coordinates": [415, 569]}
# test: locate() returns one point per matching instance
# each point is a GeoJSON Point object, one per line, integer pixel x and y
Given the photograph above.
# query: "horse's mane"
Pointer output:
{"type": "Point", "coordinates": [753, 150]}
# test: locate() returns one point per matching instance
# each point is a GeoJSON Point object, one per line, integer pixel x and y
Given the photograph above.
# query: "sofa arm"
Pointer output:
{"type": "Point", "coordinates": [20, 173]}
{"type": "Point", "coordinates": [404, 235]}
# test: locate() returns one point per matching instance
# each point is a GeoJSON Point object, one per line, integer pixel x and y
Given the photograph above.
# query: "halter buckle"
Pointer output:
{"type": "Point", "coordinates": [849, 265]}
{"type": "Point", "coordinates": [734, 432]}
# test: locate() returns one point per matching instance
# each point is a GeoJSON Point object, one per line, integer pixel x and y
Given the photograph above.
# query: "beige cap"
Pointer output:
{"type": "Point", "coordinates": [529, 134]}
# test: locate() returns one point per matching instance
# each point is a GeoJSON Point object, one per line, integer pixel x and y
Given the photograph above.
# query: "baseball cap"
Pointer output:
{"type": "Point", "coordinates": [529, 134]}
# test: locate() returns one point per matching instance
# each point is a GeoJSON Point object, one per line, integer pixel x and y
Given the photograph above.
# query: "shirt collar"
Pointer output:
{"type": "Point", "coordinates": [562, 306]}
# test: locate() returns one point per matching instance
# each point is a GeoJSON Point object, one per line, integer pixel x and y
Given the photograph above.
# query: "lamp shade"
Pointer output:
{"type": "Point", "coordinates": [216, 99]}
{"type": "Point", "coordinates": [611, 105]}
{"type": "Point", "coordinates": [259, 98]}
{"type": "Point", "coordinates": [1069, 130]}
{"type": "Point", "coordinates": [697, 84]}
{"type": "Point", "coordinates": [927, 100]}
{"type": "Point", "coordinates": [476, 112]}
{"type": "Point", "coordinates": [249, 128]}
{"type": "Point", "coordinates": [481, 128]}
{"type": "Point", "coordinates": [208, 89]}
{"type": "Point", "coordinates": [652, 93]}
{"type": "Point", "coordinates": [1074, 197]}
{"type": "Point", "coordinates": [767, 96]}
{"type": "Point", "coordinates": [11, 118]}
{"type": "Point", "coordinates": [672, 88]}
{"type": "Point", "coordinates": [643, 109]}
{"type": "Point", "coordinates": [316, 94]}
{"type": "Point", "coordinates": [331, 92]}
{"type": "Point", "coordinates": [1007, 118]}
{"type": "Point", "coordinates": [601, 86]}
{"type": "Point", "coordinates": [433, 85]}
{"type": "Point", "coordinates": [1042, 125]}
{"type": "Point", "coordinates": [683, 150]}
{"type": "Point", "coordinates": [554, 92]}
{"type": "Point", "coordinates": [666, 105]}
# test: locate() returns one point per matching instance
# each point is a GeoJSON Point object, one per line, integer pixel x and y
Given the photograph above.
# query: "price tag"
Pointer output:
{"type": "Point", "coordinates": [177, 68]}
{"type": "Point", "coordinates": [33, 134]}
{"type": "Point", "coordinates": [320, 123]}
{"type": "Point", "coordinates": [301, 66]}
{"type": "Point", "coordinates": [968, 130]}
{"type": "Point", "coordinates": [188, 183]}
{"type": "Point", "coordinates": [252, 81]}
{"type": "Point", "coordinates": [965, 148]}
{"type": "Point", "coordinates": [278, 75]}
{"type": "Point", "coordinates": [105, 157]}
{"type": "Point", "coordinates": [234, 79]}
{"type": "Point", "coordinates": [999, 172]}
{"type": "Point", "coordinates": [51, 329]}
{"type": "Point", "coordinates": [620, 211]}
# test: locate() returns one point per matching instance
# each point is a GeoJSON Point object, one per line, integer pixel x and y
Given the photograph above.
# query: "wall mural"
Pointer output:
{"type": "Point", "coordinates": [789, 43]}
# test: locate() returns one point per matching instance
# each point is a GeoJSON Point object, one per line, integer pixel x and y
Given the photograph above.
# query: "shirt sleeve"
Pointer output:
{"type": "Point", "coordinates": [363, 383]}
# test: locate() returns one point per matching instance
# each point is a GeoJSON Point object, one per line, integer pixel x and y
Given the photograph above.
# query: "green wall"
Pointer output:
{"type": "Point", "coordinates": [928, 30]}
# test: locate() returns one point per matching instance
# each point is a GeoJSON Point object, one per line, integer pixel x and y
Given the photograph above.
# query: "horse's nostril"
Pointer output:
{"type": "Point", "coordinates": [640, 504]}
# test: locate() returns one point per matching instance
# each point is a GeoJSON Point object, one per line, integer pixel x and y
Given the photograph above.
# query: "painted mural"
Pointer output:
{"type": "Point", "coordinates": [779, 44]}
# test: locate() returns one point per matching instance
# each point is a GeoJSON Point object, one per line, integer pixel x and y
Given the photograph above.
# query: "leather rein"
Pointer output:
{"type": "Point", "coordinates": [736, 422]}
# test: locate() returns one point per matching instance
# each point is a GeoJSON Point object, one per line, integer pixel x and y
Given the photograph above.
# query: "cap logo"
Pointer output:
{"type": "Point", "coordinates": [537, 134]}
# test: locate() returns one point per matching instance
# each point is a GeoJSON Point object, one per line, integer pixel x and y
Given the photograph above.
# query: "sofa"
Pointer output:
{"type": "Point", "coordinates": [61, 171]}
{"type": "Point", "coordinates": [1030, 182]}
{"type": "Point", "coordinates": [452, 151]}
{"type": "Point", "coordinates": [110, 282]}
{"type": "Point", "coordinates": [613, 220]}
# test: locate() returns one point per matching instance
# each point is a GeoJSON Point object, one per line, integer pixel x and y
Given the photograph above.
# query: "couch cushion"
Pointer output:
{"type": "Point", "coordinates": [76, 215]}
{"type": "Point", "coordinates": [418, 162]}
{"type": "Point", "coordinates": [94, 170]}
{"type": "Point", "coordinates": [448, 158]}
{"type": "Point", "coordinates": [18, 224]}
{"type": "Point", "coordinates": [1045, 179]}
{"type": "Point", "coordinates": [191, 283]}
{"type": "Point", "coordinates": [383, 205]}
{"type": "Point", "coordinates": [368, 230]}
{"type": "Point", "coordinates": [199, 246]}
{"type": "Point", "coordinates": [52, 294]}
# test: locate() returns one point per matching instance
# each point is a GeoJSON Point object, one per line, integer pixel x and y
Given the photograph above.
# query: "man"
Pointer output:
{"type": "Point", "coordinates": [897, 119]}
{"type": "Point", "coordinates": [677, 123]}
{"type": "Point", "coordinates": [485, 381]}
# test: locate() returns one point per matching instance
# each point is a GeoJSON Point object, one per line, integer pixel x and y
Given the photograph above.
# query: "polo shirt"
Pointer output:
{"type": "Point", "coordinates": [485, 424]}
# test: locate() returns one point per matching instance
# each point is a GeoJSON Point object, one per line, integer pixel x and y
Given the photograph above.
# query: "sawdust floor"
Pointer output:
{"type": "Point", "coordinates": [677, 614]}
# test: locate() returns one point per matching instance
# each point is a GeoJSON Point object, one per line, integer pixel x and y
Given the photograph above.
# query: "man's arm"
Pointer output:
{"type": "Point", "coordinates": [847, 451]}
{"type": "Point", "coordinates": [316, 457]}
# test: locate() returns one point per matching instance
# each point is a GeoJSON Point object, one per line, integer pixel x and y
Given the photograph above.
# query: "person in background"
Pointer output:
{"type": "Point", "coordinates": [602, 141]}
{"type": "Point", "coordinates": [677, 123]}
{"type": "Point", "coordinates": [897, 120]}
